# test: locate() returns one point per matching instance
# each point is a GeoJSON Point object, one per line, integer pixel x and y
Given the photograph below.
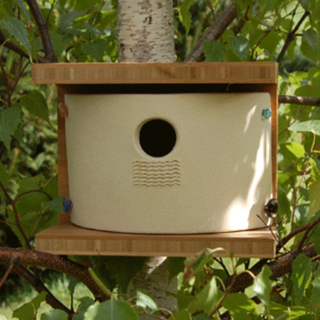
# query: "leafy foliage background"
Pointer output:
{"type": "Point", "coordinates": [285, 31]}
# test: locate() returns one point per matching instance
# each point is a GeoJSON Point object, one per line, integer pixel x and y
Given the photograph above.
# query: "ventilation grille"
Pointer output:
{"type": "Point", "coordinates": [156, 174]}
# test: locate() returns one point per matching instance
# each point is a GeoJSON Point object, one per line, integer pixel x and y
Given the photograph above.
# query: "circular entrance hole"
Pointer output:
{"type": "Point", "coordinates": [157, 138]}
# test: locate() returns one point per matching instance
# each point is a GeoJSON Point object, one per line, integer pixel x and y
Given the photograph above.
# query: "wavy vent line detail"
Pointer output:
{"type": "Point", "coordinates": [156, 174]}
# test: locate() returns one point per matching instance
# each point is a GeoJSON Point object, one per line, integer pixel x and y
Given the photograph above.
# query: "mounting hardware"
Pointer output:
{"type": "Point", "coordinates": [266, 113]}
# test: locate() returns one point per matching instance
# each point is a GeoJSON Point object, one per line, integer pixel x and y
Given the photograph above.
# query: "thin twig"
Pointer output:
{"type": "Point", "coordinates": [234, 276]}
{"type": "Point", "coordinates": [258, 43]}
{"type": "Point", "coordinates": [13, 204]}
{"type": "Point", "coordinates": [43, 29]}
{"type": "Point", "coordinates": [16, 81]}
{"type": "Point", "coordinates": [49, 14]}
{"type": "Point", "coordinates": [6, 79]}
{"type": "Point", "coordinates": [209, 4]}
{"type": "Point", "coordinates": [296, 232]}
{"type": "Point", "coordinates": [40, 287]}
{"type": "Point", "coordinates": [214, 32]}
{"type": "Point", "coordinates": [291, 36]}
{"type": "Point", "coordinates": [32, 191]}
{"type": "Point", "coordinates": [96, 16]}
{"type": "Point", "coordinates": [294, 121]}
{"type": "Point", "coordinates": [222, 265]}
{"type": "Point", "coordinates": [6, 275]}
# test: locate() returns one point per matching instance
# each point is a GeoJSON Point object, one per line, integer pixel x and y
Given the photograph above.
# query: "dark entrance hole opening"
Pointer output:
{"type": "Point", "coordinates": [157, 138]}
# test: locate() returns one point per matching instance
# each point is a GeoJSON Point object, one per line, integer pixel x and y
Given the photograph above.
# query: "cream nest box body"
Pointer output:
{"type": "Point", "coordinates": [169, 163]}
{"type": "Point", "coordinates": [164, 159]}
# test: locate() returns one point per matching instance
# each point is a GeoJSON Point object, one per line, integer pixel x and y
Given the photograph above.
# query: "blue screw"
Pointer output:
{"type": "Point", "coordinates": [67, 205]}
{"type": "Point", "coordinates": [266, 113]}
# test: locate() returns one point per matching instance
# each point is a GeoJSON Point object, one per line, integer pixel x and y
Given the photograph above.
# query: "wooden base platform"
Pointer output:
{"type": "Point", "coordinates": [66, 238]}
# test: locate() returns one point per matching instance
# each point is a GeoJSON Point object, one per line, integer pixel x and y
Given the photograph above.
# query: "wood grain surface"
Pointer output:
{"type": "Point", "coordinates": [171, 72]}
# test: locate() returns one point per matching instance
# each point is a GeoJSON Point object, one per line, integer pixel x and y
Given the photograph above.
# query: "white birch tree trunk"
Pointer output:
{"type": "Point", "coordinates": [145, 31]}
{"type": "Point", "coordinates": [146, 34]}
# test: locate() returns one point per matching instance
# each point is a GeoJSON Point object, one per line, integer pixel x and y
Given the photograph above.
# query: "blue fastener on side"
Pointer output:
{"type": "Point", "coordinates": [67, 205]}
{"type": "Point", "coordinates": [266, 113]}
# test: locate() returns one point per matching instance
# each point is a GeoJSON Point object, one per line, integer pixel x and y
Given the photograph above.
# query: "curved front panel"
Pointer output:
{"type": "Point", "coordinates": [169, 163]}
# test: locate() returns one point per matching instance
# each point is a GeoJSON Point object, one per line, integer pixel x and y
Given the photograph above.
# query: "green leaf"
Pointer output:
{"type": "Point", "coordinates": [4, 177]}
{"type": "Point", "coordinates": [31, 202]}
{"type": "Point", "coordinates": [240, 46]}
{"type": "Point", "coordinates": [184, 14]}
{"type": "Point", "coordinates": [111, 310]}
{"type": "Point", "coordinates": [280, 311]}
{"type": "Point", "coordinates": [28, 310]}
{"type": "Point", "coordinates": [17, 29]}
{"type": "Point", "coordinates": [311, 36]}
{"type": "Point", "coordinates": [214, 51]}
{"type": "Point", "coordinates": [182, 315]}
{"type": "Point", "coordinates": [240, 306]}
{"type": "Point", "coordinates": [309, 126]}
{"type": "Point", "coordinates": [197, 263]}
{"type": "Point", "coordinates": [305, 4]}
{"type": "Point", "coordinates": [3, 317]}
{"type": "Point", "coordinates": [9, 121]}
{"type": "Point", "coordinates": [122, 269]}
{"type": "Point", "coordinates": [145, 301]}
{"type": "Point", "coordinates": [68, 18]}
{"type": "Point", "coordinates": [51, 187]}
{"type": "Point", "coordinates": [24, 10]}
{"type": "Point", "coordinates": [315, 298]}
{"type": "Point", "coordinates": [85, 303]}
{"type": "Point", "coordinates": [94, 31]}
{"type": "Point", "coordinates": [55, 204]}
{"type": "Point", "coordinates": [296, 149]}
{"type": "Point", "coordinates": [58, 45]}
{"type": "Point", "coordinates": [270, 42]}
{"type": "Point", "coordinates": [36, 104]}
{"type": "Point", "coordinates": [107, 19]}
{"type": "Point", "coordinates": [284, 204]}
{"type": "Point", "coordinates": [95, 49]}
{"type": "Point", "coordinates": [84, 4]}
{"type": "Point", "coordinates": [72, 285]}
{"type": "Point", "coordinates": [301, 274]}
{"type": "Point", "coordinates": [184, 300]}
{"type": "Point", "coordinates": [262, 285]}
{"type": "Point", "coordinates": [314, 191]}
{"type": "Point", "coordinates": [209, 296]}
{"type": "Point", "coordinates": [316, 233]}
{"type": "Point", "coordinates": [175, 266]}
{"type": "Point", "coordinates": [55, 315]}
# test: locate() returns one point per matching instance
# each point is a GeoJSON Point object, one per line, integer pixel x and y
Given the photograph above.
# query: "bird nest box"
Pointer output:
{"type": "Point", "coordinates": [164, 158]}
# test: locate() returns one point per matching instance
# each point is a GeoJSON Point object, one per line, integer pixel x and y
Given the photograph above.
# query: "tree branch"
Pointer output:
{"type": "Point", "coordinates": [292, 234]}
{"type": "Point", "coordinates": [43, 29]}
{"type": "Point", "coordinates": [279, 268]}
{"type": "Point", "coordinates": [214, 32]}
{"type": "Point", "coordinates": [307, 101]}
{"type": "Point", "coordinates": [284, 264]}
{"type": "Point", "coordinates": [39, 287]}
{"type": "Point", "coordinates": [291, 36]}
{"type": "Point", "coordinates": [50, 261]}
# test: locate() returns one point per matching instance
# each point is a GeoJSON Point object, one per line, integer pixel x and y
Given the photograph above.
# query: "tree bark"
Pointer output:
{"type": "Point", "coordinates": [145, 31]}
{"type": "Point", "coordinates": [146, 34]}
